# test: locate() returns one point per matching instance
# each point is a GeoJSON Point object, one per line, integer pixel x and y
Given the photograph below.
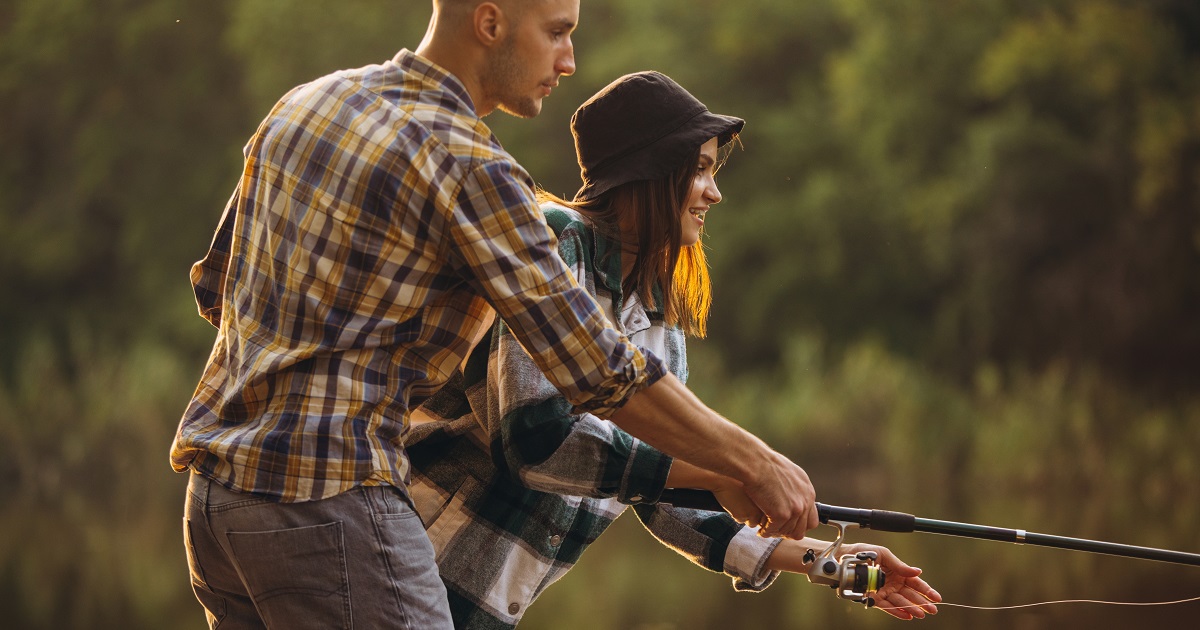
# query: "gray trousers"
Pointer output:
{"type": "Point", "coordinates": [357, 560]}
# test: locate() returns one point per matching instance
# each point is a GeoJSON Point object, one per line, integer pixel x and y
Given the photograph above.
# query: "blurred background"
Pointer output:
{"type": "Point", "coordinates": [957, 274]}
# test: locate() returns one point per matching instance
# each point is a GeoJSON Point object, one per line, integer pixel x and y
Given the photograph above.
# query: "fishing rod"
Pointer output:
{"type": "Point", "coordinates": [857, 576]}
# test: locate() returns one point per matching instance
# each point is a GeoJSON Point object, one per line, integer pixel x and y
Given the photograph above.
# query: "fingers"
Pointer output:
{"type": "Point", "coordinates": [805, 520]}
{"type": "Point", "coordinates": [749, 519]}
{"type": "Point", "coordinates": [906, 603]}
{"type": "Point", "coordinates": [895, 566]}
{"type": "Point", "coordinates": [912, 600]}
{"type": "Point", "coordinates": [739, 505]}
{"type": "Point", "coordinates": [926, 591]}
{"type": "Point", "coordinates": [786, 495]}
{"type": "Point", "coordinates": [781, 529]}
{"type": "Point", "coordinates": [904, 596]}
{"type": "Point", "coordinates": [796, 528]}
{"type": "Point", "coordinates": [899, 607]}
{"type": "Point", "coordinates": [901, 571]}
{"type": "Point", "coordinates": [814, 519]}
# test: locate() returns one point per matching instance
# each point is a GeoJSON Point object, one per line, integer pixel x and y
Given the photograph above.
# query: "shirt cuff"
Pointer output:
{"type": "Point", "coordinates": [638, 375]}
{"type": "Point", "coordinates": [746, 559]}
{"type": "Point", "coordinates": [645, 474]}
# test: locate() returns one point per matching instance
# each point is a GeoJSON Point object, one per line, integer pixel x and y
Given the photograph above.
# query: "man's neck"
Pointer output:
{"type": "Point", "coordinates": [460, 61]}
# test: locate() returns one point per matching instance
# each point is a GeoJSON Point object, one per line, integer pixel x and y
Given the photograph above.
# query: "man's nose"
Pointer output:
{"type": "Point", "coordinates": [566, 63]}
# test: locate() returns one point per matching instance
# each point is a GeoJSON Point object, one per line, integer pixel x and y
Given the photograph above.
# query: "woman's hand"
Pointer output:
{"type": "Point", "coordinates": [903, 594]}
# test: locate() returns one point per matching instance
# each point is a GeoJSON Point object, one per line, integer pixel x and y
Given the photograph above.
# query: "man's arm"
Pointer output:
{"type": "Point", "coordinates": [500, 234]}
{"type": "Point", "coordinates": [670, 417]}
{"type": "Point", "coordinates": [504, 248]}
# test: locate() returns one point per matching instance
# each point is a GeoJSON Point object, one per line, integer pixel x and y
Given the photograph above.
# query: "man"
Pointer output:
{"type": "Point", "coordinates": [376, 229]}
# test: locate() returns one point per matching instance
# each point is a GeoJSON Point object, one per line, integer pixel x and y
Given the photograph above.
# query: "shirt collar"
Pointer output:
{"type": "Point", "coordinates": [606, 260]}
{"type": "Point", "coordinates": [429, 72]}
{"type": "Point", "coordinates": [607, 263]}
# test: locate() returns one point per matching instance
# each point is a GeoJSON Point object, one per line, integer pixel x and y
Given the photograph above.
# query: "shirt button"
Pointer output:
{"type": "Point", "coordinates": [637, 498]}
{"type": "Point", "coordinates": [514, 608]}
{"type": "Point", "coordinates": [555, 540]}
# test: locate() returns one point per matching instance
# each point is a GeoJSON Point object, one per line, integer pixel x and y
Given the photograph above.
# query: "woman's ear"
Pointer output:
{"type": "Point", "coordinates": [490, 24]}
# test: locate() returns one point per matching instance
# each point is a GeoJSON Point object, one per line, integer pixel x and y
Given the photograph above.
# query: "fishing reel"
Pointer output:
{"type": "Point", "coordinates": [855, 577]}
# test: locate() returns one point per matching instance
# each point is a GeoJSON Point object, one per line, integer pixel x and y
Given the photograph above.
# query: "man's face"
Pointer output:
{"type": "Point", "coordinates": [536, 52]}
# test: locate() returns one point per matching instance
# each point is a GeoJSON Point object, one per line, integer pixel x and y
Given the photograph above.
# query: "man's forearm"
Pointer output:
{"type": "Point", "coordinates": [672, 419]}
{"type": "Point", "coordinates": [685, 475]}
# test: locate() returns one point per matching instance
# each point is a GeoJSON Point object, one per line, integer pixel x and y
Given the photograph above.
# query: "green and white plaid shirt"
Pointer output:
{"type": "Point", "coordinates": [513, 485]}
{"type": "Point", "coordinates": [376, 225]}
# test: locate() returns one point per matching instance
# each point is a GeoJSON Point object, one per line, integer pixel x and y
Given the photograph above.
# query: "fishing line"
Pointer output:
{"type": "Point", "coordinates": [1058, 601]}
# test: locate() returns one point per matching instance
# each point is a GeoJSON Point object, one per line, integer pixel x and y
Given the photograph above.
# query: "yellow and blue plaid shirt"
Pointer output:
{"type": "Point", "coordinates": [376, 225]}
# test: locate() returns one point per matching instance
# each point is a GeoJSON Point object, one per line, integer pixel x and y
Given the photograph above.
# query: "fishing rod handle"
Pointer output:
{"type": "Point", "coordinates": [691, 498]}
{"type": "Point", "coordinates": [879, 520]}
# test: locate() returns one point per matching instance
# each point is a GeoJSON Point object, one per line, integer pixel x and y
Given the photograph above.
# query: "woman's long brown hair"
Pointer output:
{"type": "Point", "coordinates": [653, 209]}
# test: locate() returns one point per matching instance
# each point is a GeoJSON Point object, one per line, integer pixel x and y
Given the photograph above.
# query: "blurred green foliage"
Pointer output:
{"type": "Point", "coordinates": [957, 274]}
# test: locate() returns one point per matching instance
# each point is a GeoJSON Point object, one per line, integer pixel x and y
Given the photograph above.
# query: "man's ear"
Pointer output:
{"type": "Point", "coordinates": [490, 23]}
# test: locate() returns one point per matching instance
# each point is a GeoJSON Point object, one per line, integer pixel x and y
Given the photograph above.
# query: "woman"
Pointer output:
{"type": "Point", "coordinates": [512, 484]}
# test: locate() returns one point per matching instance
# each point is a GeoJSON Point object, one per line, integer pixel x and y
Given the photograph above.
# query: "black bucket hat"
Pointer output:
{"type": "Point", "coordinates": [641, 126]}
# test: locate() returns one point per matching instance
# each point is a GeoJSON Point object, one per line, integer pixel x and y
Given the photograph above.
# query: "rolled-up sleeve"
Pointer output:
{"type": "Point", "coordinates": [536, 434]}
{"type": "Point", "coordinates": [500, 235]}
{"type": "Point", "coordinates": [548, 447]}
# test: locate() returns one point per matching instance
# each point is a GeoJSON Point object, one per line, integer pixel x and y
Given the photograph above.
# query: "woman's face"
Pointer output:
{"type": "Point", "coordinates": [702, 194]}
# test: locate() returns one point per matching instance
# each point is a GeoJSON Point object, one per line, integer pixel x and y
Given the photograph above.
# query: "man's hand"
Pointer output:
{"type": "Point", "coordinates": [784, 493]}
{"type": "Point", "coordinates": [726, 490]}
{"type": "Point", "coordinates": [735, 501]}
{"type": "Point", "coordinates": [669, 417]}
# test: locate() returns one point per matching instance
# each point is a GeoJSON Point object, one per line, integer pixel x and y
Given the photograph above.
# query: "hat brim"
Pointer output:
{"type": "Point", "coordinates": [663, 156]}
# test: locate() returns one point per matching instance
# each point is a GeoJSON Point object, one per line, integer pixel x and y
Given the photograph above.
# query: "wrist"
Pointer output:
{"type": "Point", "coordinates": [789, 555]}
{"type": "Point", "coordinates": [760, 468]}
{"type": "Point", "coordinates": [686, 475]}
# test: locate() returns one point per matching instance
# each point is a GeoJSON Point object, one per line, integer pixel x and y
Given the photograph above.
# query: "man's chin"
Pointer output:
{"type": "Point", "coordinates": [524, 109]}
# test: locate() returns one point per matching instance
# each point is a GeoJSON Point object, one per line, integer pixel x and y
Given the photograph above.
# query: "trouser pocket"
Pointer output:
{"type": "Point", "coordinates": [297, 577]}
